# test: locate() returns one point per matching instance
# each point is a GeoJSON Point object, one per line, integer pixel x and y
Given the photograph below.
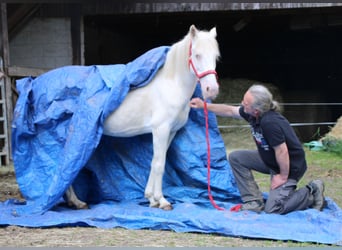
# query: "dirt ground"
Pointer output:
{"type": "Point", "coordinates": [8, 185]}
{"type": "Point", "coordinates": [13, 236]}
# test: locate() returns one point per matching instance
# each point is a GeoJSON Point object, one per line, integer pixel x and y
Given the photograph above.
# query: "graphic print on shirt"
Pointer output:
{"type": "Point", "coordinates": [260, 140]}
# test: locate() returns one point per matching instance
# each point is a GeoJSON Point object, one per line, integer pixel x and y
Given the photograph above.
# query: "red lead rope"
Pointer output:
{"type": "Point", "coordinates": [208, 146]}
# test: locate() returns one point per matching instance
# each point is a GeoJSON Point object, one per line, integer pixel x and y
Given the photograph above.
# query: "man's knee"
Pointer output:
{"type": "Point", "coordinates": [234, 158]}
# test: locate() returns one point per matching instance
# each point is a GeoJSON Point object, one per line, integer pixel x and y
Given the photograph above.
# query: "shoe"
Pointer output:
{"type": "Point", "coordinates": [317, 188]}
{"type": "Point", "coordinates": [256, 206]}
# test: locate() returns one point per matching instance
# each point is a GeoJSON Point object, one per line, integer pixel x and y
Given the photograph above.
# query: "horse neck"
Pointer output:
{"type": "Point", "coordinates": [177, 66]}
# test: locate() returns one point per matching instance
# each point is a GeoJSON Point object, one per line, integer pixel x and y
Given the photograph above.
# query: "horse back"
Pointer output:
{"type": "Point", "coordinates": [148, 107]}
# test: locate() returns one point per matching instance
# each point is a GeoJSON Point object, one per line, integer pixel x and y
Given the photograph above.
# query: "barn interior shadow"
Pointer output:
{"type": "Point", "coordinates": [298, 51]}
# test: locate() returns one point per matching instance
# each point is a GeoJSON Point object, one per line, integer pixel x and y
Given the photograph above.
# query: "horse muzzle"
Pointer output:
{"type": "Point", "coordinates": [210, 91]}
{"type": "Point", "coordinates": [209, 84]}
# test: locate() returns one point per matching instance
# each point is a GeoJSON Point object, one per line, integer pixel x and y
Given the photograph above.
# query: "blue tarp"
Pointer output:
{"type": "Point", "coordinates": [57, 140]}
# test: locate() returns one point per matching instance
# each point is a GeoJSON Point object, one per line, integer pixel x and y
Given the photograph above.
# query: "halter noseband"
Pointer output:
{"type": "Point", "coordinates": [203, 74]}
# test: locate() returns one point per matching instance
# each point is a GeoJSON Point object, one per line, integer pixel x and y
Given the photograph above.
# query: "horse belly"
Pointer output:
{"type": "Point", "coordinates": [131, 118]}
{"type": "Point", "coordinates": [113, 126]}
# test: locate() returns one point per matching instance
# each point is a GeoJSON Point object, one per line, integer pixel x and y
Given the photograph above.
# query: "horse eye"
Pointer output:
{"type": "Point", "coordinates": [198, 56]}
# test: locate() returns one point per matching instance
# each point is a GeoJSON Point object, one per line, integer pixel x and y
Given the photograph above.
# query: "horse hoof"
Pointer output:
{"type": "Point", "coordinates": [167, 207]}
{"type": "Point", "coordinates": [83, 206]}
{"type": "Point", "coordinates": [154, 203]}
{"type": "Point", "coordinates": [79, 206]}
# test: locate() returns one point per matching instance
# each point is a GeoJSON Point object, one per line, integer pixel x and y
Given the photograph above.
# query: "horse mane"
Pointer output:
{"type": "Point", "coordinates": [177, 57]}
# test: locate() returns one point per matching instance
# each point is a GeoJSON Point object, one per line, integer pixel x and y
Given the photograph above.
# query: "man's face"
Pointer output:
{"type": "Point", "coordinates": [247, 104]}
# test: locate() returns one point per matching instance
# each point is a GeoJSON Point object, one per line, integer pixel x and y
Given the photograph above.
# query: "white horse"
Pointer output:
{"type": "Point", "coordinates": [162, 106]}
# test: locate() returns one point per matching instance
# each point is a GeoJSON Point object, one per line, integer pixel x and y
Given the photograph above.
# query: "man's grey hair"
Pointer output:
{"type": "Point", "coordinates": [263, 99]}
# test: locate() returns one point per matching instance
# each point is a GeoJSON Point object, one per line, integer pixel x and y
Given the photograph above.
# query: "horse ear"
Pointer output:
{"type": "Point", "coordinates": [193, 30]}
{"type": "Point", "coordinates": [213, 32]}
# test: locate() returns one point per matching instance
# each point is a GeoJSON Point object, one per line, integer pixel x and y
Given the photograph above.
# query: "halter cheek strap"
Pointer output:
{"type": "Point", "coordinates": [199, 75]}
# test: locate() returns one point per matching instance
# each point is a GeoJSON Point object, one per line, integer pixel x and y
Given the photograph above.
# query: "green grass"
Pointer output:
{"type": "Point", "coordinates": [332, 145]}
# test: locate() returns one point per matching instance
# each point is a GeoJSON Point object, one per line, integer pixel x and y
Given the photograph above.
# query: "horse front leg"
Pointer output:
{"type": "Point", "coordinates": [153, 191]}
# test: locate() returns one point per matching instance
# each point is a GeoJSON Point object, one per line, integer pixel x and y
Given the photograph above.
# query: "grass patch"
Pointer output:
{"type": "Point", "coordinates": [332, 145]}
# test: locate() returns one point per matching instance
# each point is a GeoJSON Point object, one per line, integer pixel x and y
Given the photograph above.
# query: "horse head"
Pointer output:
{"type": "Point", "coordinates": [203, 54]}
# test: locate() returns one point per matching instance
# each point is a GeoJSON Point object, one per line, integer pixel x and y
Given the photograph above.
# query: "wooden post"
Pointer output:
{"type": "Point", "coordinates": [4, 36]}
{"type": "Point", "coordinates": [4, 46]}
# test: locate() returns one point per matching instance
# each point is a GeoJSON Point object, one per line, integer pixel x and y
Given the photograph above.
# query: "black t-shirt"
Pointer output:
{"type": "Point", "coordinates": [270, 130]}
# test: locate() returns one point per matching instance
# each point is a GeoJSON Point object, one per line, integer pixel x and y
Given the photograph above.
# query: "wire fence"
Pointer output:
{"type": "Point", "coordinates": [296, 124]}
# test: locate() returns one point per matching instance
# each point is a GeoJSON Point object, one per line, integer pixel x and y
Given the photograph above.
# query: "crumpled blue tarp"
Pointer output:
{"type": "Point", "coordinates": [57, 139]}
{"type": "Point", "coordinates": [192, 215]}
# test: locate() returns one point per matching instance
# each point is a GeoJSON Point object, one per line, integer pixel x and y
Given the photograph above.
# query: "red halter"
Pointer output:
{"type": "Point", "coordinates": [203, 74]}
{"type": "Point", "coordinates": [199, 76]}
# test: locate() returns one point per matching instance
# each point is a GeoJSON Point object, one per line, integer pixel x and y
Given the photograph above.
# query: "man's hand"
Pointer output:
{"type": "Point", "coordinates": [283, 160]}
{"type": "Point", "coordinates": [196, 103]}
{"type": "Point", "coordinates": [277, 181]}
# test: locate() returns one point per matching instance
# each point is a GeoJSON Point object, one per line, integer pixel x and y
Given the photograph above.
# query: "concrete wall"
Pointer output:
{"type": "Point", "coordinates": [43, 43]}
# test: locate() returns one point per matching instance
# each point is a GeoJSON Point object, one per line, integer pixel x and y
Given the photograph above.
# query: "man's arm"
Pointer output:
{"type": "Point", "coordinates": [283, 160]}
{"type": "Point", "coordinates": [219, 109]}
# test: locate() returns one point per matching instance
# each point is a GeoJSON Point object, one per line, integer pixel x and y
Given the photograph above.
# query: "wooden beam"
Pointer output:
{"type": "Point", "coordinates": [21, 16]}
{"type": "Point", "coordinates": [15, 71]}
{"type": "Point", "coordinates": [76, 34]}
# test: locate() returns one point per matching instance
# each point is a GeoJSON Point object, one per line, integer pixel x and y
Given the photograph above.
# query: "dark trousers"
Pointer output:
{"type": "Point", "coordinates": [281, 200]}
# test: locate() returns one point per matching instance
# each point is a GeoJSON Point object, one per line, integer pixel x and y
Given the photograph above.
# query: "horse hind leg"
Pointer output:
{"type": "Point", "coordinates": [73, 201]}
